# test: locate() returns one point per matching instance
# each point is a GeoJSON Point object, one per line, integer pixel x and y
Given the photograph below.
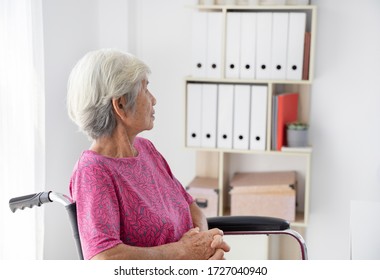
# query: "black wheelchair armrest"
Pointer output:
{"type": "Point", "coordinates": [248, 223]}
{"type": "Point", "coordinates": [257, 225]}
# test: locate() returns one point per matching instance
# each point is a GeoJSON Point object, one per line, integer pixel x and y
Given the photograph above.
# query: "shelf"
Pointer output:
{"type": "Point", "coordinates": [234, 151]}
{"type": "Point", "coordinates": [300, 221]}
{"type": "Point", "coordinates": [251, 8]}
{"type": "Point", "coordinates": [246, 81]}
{"type": "Point", "coordinates": [223, 163]}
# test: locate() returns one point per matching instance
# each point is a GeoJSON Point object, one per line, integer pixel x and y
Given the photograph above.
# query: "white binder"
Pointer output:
{"type": "Point", "coordinates": [296, 38]}
{"type": "Point", "coordinates": [279, 45]}
{"type": "Point", "coordinates": [198, 44]}
{"type": "Point", "coordinates": [248, 46]}
{"type": "Point", "coordinates": [225, 116]}
{"type": "Point", "coordinates": [209, 114]}
{"type": "Point", "coordinates": [259, 105]}
{"type": "Point", "coordinates": [241, 117]}
{"type": "Point", "coordinates": [232, 45]}
{"type": "Point", "coordinates": [214, 45]}
{"type": "Point", "coordinates": [263, 46]}
{"type": "Point", "coordinates": [193, 115]}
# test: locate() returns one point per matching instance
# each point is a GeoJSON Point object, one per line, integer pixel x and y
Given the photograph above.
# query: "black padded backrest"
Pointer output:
{"type": "Point", "coordinates": [72, 212]}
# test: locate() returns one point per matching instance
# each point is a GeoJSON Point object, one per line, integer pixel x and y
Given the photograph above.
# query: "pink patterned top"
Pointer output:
{"type": "Point", "coordinates": [136, 201]}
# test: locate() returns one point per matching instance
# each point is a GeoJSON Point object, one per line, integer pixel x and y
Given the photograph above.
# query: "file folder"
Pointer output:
{"type": "Point", "coordinates": [225, 115]}
{"type": "Point", "coordinates": [193, 115]}
{"type": "Point", "coordinates": [274, 123]}
{"type": "Point", "coordinates": [263, 46]}
{"type": "Point", "coordinates": [232, 66]}
{"type": "Point", "coordinates": [306, 56]}
{"type": "Point", "coordinates": [209, 114]}
{"type": "Point", "coordinates": [259, 103]}
{"type": "Point", "coordinates": [287, 111]}
{"type": "Point", "coordinates": [279, 45]}
{"type": "Point", "coordinates": [296, 37]}
{"type": "Point", "coordinates": [198, 44]}
{"type": "Point", "coordinates": [241, 117]}
{"type": "Point", "coordinates": [248, 45]}
{"type": "Point", "coordinates": [214, 45]}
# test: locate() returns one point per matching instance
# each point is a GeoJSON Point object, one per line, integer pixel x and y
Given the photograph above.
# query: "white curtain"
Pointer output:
{"type": "Point", "coordinates": [22, 126]}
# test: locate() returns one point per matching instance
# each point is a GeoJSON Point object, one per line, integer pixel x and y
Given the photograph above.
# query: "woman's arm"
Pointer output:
{"type": "Point", "coordinates": [199, 219]}
{"type": "Point", "coordinates": [194, 245]}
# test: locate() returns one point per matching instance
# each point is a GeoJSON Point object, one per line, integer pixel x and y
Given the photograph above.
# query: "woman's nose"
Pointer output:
{"type": "Point", "coordinates": [154, 101]}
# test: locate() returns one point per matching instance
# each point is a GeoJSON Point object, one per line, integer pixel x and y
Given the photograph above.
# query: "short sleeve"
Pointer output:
{"type": "Point", "coordinates": [186, 195]}
{"type": "Point", "coordinates": [97, 208]}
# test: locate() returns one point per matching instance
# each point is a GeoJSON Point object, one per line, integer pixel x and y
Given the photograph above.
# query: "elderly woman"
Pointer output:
{"type": "Point", "coordinates": [129, 204]}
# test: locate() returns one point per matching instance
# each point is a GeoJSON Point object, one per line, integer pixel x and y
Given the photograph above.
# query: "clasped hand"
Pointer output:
{"type": "Point", "coordinates": [203, 245]}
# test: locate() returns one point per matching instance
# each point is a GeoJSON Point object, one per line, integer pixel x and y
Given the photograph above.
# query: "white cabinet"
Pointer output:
{"type": "Point", "coordinates": [243, 70]}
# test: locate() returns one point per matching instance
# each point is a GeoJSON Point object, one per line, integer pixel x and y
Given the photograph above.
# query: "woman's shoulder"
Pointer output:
{"type": "Point", "coordinates": [144, 143]}
{"type": "Point", "coordinates": [91, 156]}
{"type": "Point", "coordinates": [91, 160]}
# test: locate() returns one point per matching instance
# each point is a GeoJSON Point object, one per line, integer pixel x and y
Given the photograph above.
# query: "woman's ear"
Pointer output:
{"type": "Point", "coordinates": [118, 105]}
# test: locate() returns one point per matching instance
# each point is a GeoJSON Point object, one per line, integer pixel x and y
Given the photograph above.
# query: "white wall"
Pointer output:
{"type": "Point", "coordinates": [71, 28]}
{"type": "Point", "coordinates": [344, 116]}
{"type": "Point", "coordinates": [163, 42]}
{"type": "Point", "coordinates": [345, 121]}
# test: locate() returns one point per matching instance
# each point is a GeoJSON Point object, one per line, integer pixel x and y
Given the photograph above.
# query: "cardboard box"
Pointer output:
{"type": "Point", "coordinates": [264, 194]}
{"type": "Point", "coordinates": [205, 192]}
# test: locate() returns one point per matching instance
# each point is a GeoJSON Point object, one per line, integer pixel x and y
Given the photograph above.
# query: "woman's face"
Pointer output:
{"type": "Point", "coordinates": [143, 116]}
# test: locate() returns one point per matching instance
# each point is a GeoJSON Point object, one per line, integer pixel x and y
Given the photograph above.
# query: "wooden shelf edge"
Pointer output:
{"type": "Point", "coordinates": [252, 152]}
{"type": "Point", "coordinates": [245, 81]}
{"type": "Point", "coordinates": [251, 7]}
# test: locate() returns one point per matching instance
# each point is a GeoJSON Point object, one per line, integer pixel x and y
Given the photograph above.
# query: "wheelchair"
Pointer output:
{"type": "Point", "coordinates": [231, 225]}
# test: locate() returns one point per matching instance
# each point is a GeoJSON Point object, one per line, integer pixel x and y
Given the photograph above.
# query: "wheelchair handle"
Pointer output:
{"type": "Point", "coordinates": [37, 199]}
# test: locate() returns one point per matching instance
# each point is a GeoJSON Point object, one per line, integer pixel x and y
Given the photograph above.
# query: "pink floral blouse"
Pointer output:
{"type": "Point", "coordinates": [136, 201]}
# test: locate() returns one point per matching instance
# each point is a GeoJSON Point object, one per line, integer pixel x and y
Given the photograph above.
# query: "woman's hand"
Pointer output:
{"type": "Point", "coordinates": [221, 247]}
{"type": "Point", "coordinates": [203, 245]}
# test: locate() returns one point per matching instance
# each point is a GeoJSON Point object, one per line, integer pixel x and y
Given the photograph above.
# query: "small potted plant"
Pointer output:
{"type": "Point", "coordinates": [297, 134]}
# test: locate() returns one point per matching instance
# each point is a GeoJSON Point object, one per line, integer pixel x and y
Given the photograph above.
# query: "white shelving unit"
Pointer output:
{"type": "Point", "coordinates": [222, 163]}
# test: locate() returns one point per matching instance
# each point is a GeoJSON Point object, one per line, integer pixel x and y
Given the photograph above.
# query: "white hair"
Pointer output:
{"type": "Point", "coordinates": [96, 79]}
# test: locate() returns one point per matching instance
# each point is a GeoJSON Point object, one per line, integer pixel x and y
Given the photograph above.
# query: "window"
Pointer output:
{"type": "Point", "coordinates": [21, 125]}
